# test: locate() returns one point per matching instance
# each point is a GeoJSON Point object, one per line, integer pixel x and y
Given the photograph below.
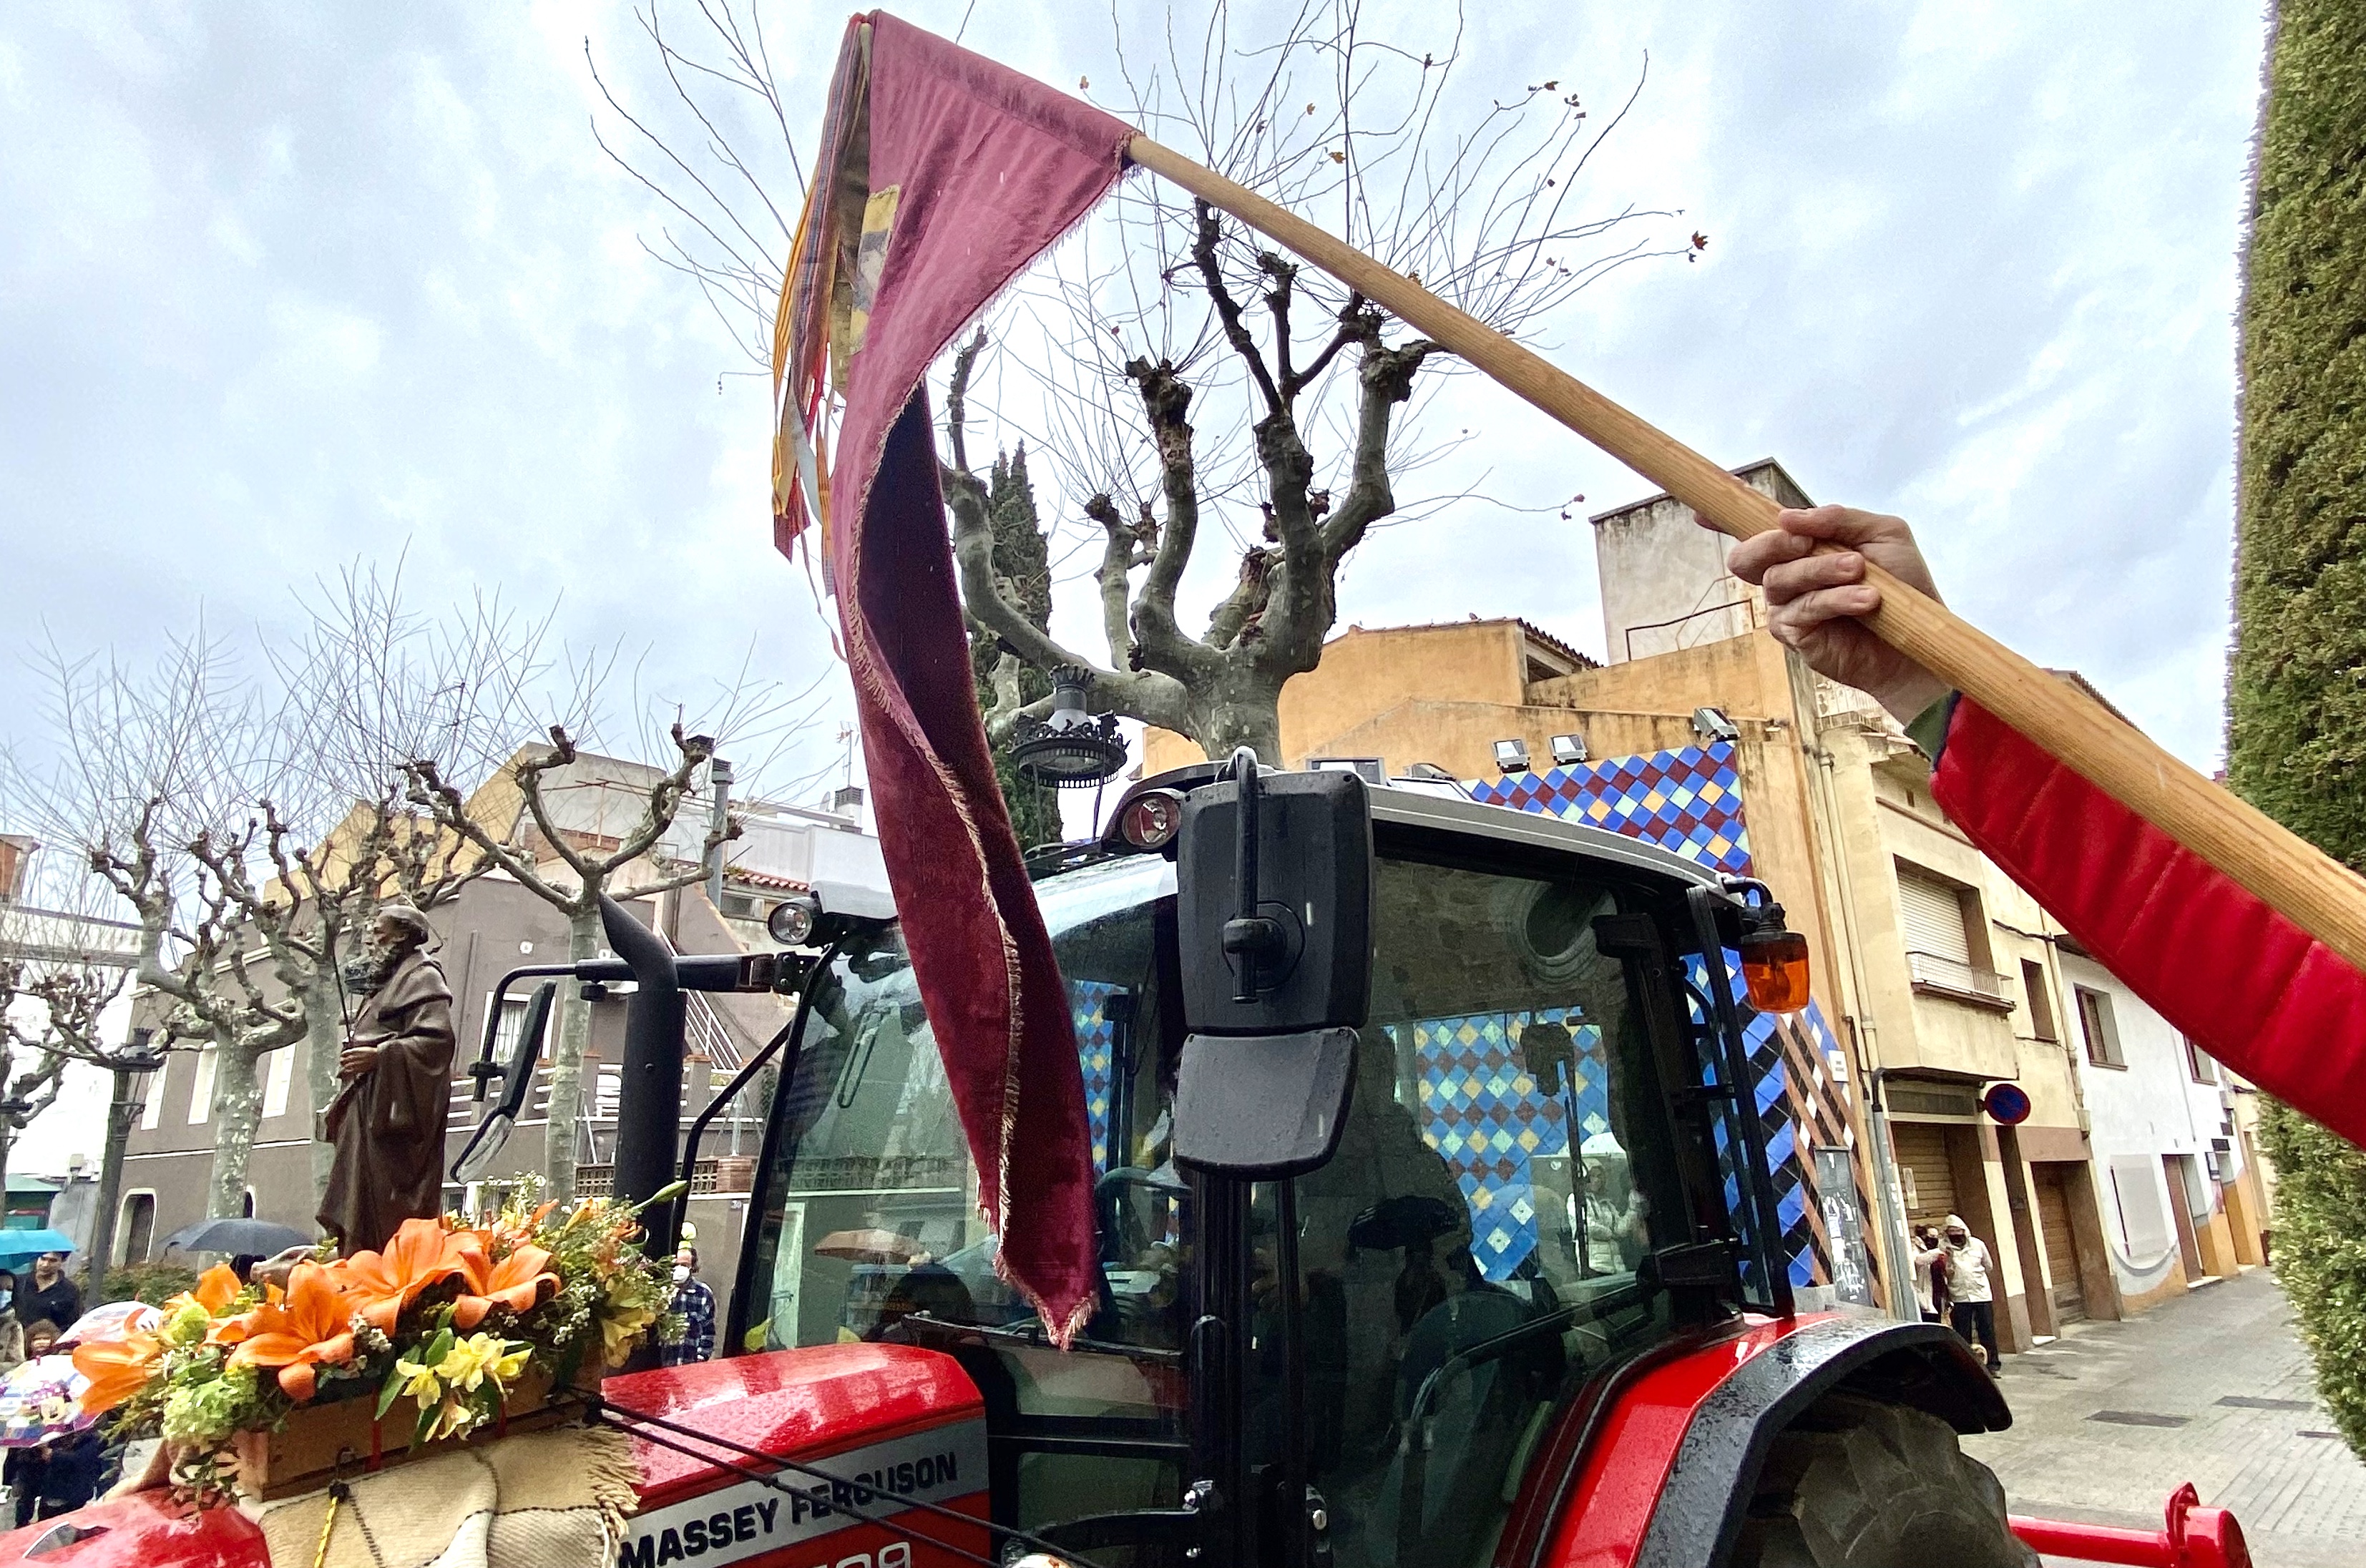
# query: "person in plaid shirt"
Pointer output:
{"type": "Point", "coordinates": [695, 1302]}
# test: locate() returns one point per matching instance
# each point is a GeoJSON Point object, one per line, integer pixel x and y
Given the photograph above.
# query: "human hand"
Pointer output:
{"type": "Point", "coordinates": [1813, 601]}
{"type": "Point", "coordinates": [356, 1060]}
{"type": "Point", "coordinates": [276, 1270]}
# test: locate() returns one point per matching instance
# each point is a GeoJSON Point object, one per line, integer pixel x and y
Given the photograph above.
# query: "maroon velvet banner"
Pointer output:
{"type": "Point", "coordinates": [973, 172]}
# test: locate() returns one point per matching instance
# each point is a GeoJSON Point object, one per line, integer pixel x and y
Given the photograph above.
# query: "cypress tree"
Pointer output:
{"type": "Point", "coordinates": [1021, 557]}
{"type": "Point", "coordinates": [2296, 743]}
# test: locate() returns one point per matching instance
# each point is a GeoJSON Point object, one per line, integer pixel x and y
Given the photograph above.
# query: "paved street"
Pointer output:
{"type": "Point", "coordinates": [2211, 1388]}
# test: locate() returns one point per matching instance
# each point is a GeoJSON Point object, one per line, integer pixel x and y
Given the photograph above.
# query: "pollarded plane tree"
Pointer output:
{"type": "Point", "coordinates": [1171, 374]}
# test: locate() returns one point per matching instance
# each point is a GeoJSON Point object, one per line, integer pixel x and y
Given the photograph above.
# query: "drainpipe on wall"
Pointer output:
{"type": "Point", "coordinates": [1825, 803]}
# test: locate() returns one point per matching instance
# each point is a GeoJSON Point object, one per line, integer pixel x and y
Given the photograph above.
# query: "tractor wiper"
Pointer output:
{"type": "Point", "coordinates": [1032, 1333]}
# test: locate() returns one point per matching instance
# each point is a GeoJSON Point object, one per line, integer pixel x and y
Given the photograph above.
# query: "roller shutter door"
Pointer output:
{"type": "Point", "coordinates": [2061, 1248]}
{"type": "Point", "coordinates": [1923, 1155]}
{"type": "Point", "coordinates": [1933, 918]}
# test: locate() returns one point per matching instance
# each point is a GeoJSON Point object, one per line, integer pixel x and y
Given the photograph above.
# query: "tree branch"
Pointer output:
{"type": "Point", "coordinates": [1210, 232]}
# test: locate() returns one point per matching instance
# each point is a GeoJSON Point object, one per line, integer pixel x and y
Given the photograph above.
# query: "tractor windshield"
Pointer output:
{"type": "Point", "coordinates": [1466, 1261]}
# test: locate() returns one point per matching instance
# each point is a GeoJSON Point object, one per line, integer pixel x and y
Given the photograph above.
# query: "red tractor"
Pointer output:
{"type": "Point", "coordinates": [1318, 1344]}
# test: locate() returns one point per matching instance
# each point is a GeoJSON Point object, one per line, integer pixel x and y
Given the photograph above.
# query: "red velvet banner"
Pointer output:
{"type": "Point", "coordinates": [972, 171]}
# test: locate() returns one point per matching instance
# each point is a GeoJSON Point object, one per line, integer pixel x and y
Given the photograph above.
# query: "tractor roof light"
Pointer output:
{"type": "Point", "coordinates": [1070, 748]}
{"type": "Point", "coordinates": [791, 923]}
{"type": "Point", "coordinates": [1152, 818]}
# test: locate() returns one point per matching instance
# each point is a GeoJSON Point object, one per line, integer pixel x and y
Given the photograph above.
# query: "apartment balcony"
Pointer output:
{"type": "Point", "coordinates": [1937, 976]}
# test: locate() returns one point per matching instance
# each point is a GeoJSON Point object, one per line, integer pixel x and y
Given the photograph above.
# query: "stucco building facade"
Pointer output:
{"type": "Point", "coordinates": [1937, 976]}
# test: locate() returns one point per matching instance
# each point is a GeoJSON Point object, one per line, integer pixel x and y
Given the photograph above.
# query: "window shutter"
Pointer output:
{"type": "Point", "coordinates": [1933, 918]}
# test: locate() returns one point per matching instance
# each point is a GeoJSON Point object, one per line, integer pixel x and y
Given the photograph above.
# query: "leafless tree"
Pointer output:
{"type": "Point", "coordinates": [64, 965]}
{"type": "Point", "coordinates": [1177, 374]}
{"type": "Point", "coordinates": [149, 771]}
{"type": "Point", "coordinates": [532, 832]}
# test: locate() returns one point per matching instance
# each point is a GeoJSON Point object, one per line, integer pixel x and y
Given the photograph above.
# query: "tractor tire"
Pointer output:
{"type": "Point", "coordinates": [1854, 1484]}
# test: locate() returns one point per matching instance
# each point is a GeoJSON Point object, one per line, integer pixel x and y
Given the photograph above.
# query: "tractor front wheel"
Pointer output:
{"type": "Point", "coordinates": [1856, 1483]}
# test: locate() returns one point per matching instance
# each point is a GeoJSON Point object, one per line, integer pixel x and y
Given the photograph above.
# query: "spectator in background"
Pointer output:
{"type": "Point", "coordinates": [39, 1337]}
{"type": "Point", "coordinates": [1924, 1260]}
{"type": "Point", "coordinates": [695, 1302]}
{"type": "Point", "coordinates": [12, 1328]}
{"type": "Point", "coordinates": [1967, 1265]}
{"type": "Point", "coordinates": [53, 1296]}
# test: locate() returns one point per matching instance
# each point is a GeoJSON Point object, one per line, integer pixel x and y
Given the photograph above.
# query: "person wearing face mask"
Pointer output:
{"type": "Point", "coordinates": [695, 1302]}
{"type": "Point", "coordinates": [1966, 1258]}
{"type": "Point", "coordinates": [12, 1327]}
{"type": "Point", "coordinates": [386, 1123]}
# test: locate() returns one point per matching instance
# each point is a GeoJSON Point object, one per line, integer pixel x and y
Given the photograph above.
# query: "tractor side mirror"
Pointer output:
{"type": "Point", "coordinates": [1274, 917]}
{"type": "Point", "coordinates": [1274, 903]}
{"type": "Point", "coordinates": [517, 1082]}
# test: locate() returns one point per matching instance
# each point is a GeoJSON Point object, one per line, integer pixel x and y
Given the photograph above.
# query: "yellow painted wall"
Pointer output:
{"type": "Point", "coordinates": [1365, 674]}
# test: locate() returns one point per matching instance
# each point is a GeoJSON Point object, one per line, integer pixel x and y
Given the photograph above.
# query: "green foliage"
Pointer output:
{"type": "Point", "coordinates": [149, 1282]}
{"type": "Point", "coordinates": [1022, 556]}
{"type": "Point", "coordinates": [2297, 733]}
{"type": "Point", "coordinates": [2320, 1255]}
{"type": "Point", "coordinates": [2296, 743]}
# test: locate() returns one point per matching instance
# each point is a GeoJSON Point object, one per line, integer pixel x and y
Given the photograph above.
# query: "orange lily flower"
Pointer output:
{"type": "Point", "coordinates": [117, 1368]}
{"type": "Point", "coordinates": [382, 1284]}
{"type": "Point", "coordinates": [311, 1327]}
{"type": "Point", "coordinates": [514, 1282]}
{"type": "Point", "coordinates": [215, 1289]}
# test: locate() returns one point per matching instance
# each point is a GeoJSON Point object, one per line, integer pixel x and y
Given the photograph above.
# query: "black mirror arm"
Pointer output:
{"type": "Point", "coordinates": [484, 1069]}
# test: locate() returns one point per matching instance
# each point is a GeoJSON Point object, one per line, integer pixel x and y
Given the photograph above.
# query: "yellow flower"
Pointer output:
{"type": "Point", "coordinates": [418, 1382]}
{"type": "Point", "coordinates": [506, 1370]}
{"type": "Point", "coordinates": [619, 1330]}
{"type": "Point", "coordinates": [455, 1416]}
{"type": "Point", "coordinates": [465, 1365]}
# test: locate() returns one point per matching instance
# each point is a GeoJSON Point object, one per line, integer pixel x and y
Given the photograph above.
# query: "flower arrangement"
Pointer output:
{"type": "Point", "coordinates": [451, 1316]}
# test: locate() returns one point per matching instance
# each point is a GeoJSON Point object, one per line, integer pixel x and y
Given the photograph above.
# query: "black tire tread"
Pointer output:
{"type": "Point", "coordinates": [1857, 1483]}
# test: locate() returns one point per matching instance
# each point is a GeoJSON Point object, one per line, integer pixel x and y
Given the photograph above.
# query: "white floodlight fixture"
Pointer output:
{"type": "Point", "coordinates": [1512, 756]}
{"type": "Point", "coordinates": [1711, 724]}
{"type": "Point", "coordinates": [1569, 749]}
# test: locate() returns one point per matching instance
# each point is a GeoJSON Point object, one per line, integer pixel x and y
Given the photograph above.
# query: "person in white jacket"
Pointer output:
{"type": "Point", "coordinates": [1968, 1284]}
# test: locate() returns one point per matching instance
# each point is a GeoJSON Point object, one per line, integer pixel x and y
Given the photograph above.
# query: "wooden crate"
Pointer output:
{"type": "Point", "coordinates": [322, 1442]}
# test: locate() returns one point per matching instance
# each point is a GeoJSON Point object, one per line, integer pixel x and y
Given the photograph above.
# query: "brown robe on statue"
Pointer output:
{"type": "Point", "coordinates": [388, 1124]}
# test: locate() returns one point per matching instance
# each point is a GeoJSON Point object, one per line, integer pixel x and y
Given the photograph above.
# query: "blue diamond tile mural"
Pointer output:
{"type": "Point", "coordinates": [1688, 801]}
{"type": "Point", "coordinates": [1482, 1110]}
{"type": "Point", "coordinates": [1095, 1053]}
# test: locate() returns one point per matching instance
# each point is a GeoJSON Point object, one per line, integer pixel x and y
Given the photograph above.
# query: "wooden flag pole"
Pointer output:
{"type": "Point", "coordinates": [2316, 893]}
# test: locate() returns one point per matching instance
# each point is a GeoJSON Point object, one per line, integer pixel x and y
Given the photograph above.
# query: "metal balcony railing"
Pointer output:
{"type": "Point", "coordinates": [1954, 977]}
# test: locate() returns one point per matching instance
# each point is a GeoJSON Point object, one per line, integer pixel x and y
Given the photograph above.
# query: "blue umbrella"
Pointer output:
{"type": "Point", "coordinates": [18, 1244]}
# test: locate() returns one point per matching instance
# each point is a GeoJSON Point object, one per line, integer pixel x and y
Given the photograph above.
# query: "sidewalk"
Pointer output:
{"type": "Point", "coordinates": [2211, 1388]}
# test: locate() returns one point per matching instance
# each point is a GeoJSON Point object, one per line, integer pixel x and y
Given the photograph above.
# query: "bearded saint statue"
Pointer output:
{"type": "Point", "coordinates": [386, 1123]}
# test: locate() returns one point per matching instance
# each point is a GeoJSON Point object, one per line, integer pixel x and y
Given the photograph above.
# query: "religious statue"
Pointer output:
{"type": "Point", "coordinates": [386, 1123]}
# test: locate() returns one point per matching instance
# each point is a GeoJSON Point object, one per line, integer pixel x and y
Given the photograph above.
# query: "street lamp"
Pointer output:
{"type": "Point", "coordinates": [1070, 749]}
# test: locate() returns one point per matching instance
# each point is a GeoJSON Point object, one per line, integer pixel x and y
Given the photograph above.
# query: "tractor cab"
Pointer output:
{"type": "Point", "coordinates": [1416, 1128]}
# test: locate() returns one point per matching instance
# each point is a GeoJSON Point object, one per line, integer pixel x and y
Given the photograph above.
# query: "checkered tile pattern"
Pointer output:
{"type": "Point", "coordinates": [1482, 1110]}
{"type": "Point", "coordinates": [1096, 1042]}
{"type": "Point", "coordinates": [1688, 801]}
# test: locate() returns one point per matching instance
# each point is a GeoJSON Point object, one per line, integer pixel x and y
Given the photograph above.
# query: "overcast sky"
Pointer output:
{"type": "Point", "coordinates": [284, 287]}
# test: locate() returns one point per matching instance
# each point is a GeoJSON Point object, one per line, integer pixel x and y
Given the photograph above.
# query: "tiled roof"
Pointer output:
{"type": "Point", "coordinates": [766, 880]}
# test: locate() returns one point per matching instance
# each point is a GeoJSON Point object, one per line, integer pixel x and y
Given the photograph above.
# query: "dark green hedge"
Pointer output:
{"type": "Point", "coordinates": [2297, 696]}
